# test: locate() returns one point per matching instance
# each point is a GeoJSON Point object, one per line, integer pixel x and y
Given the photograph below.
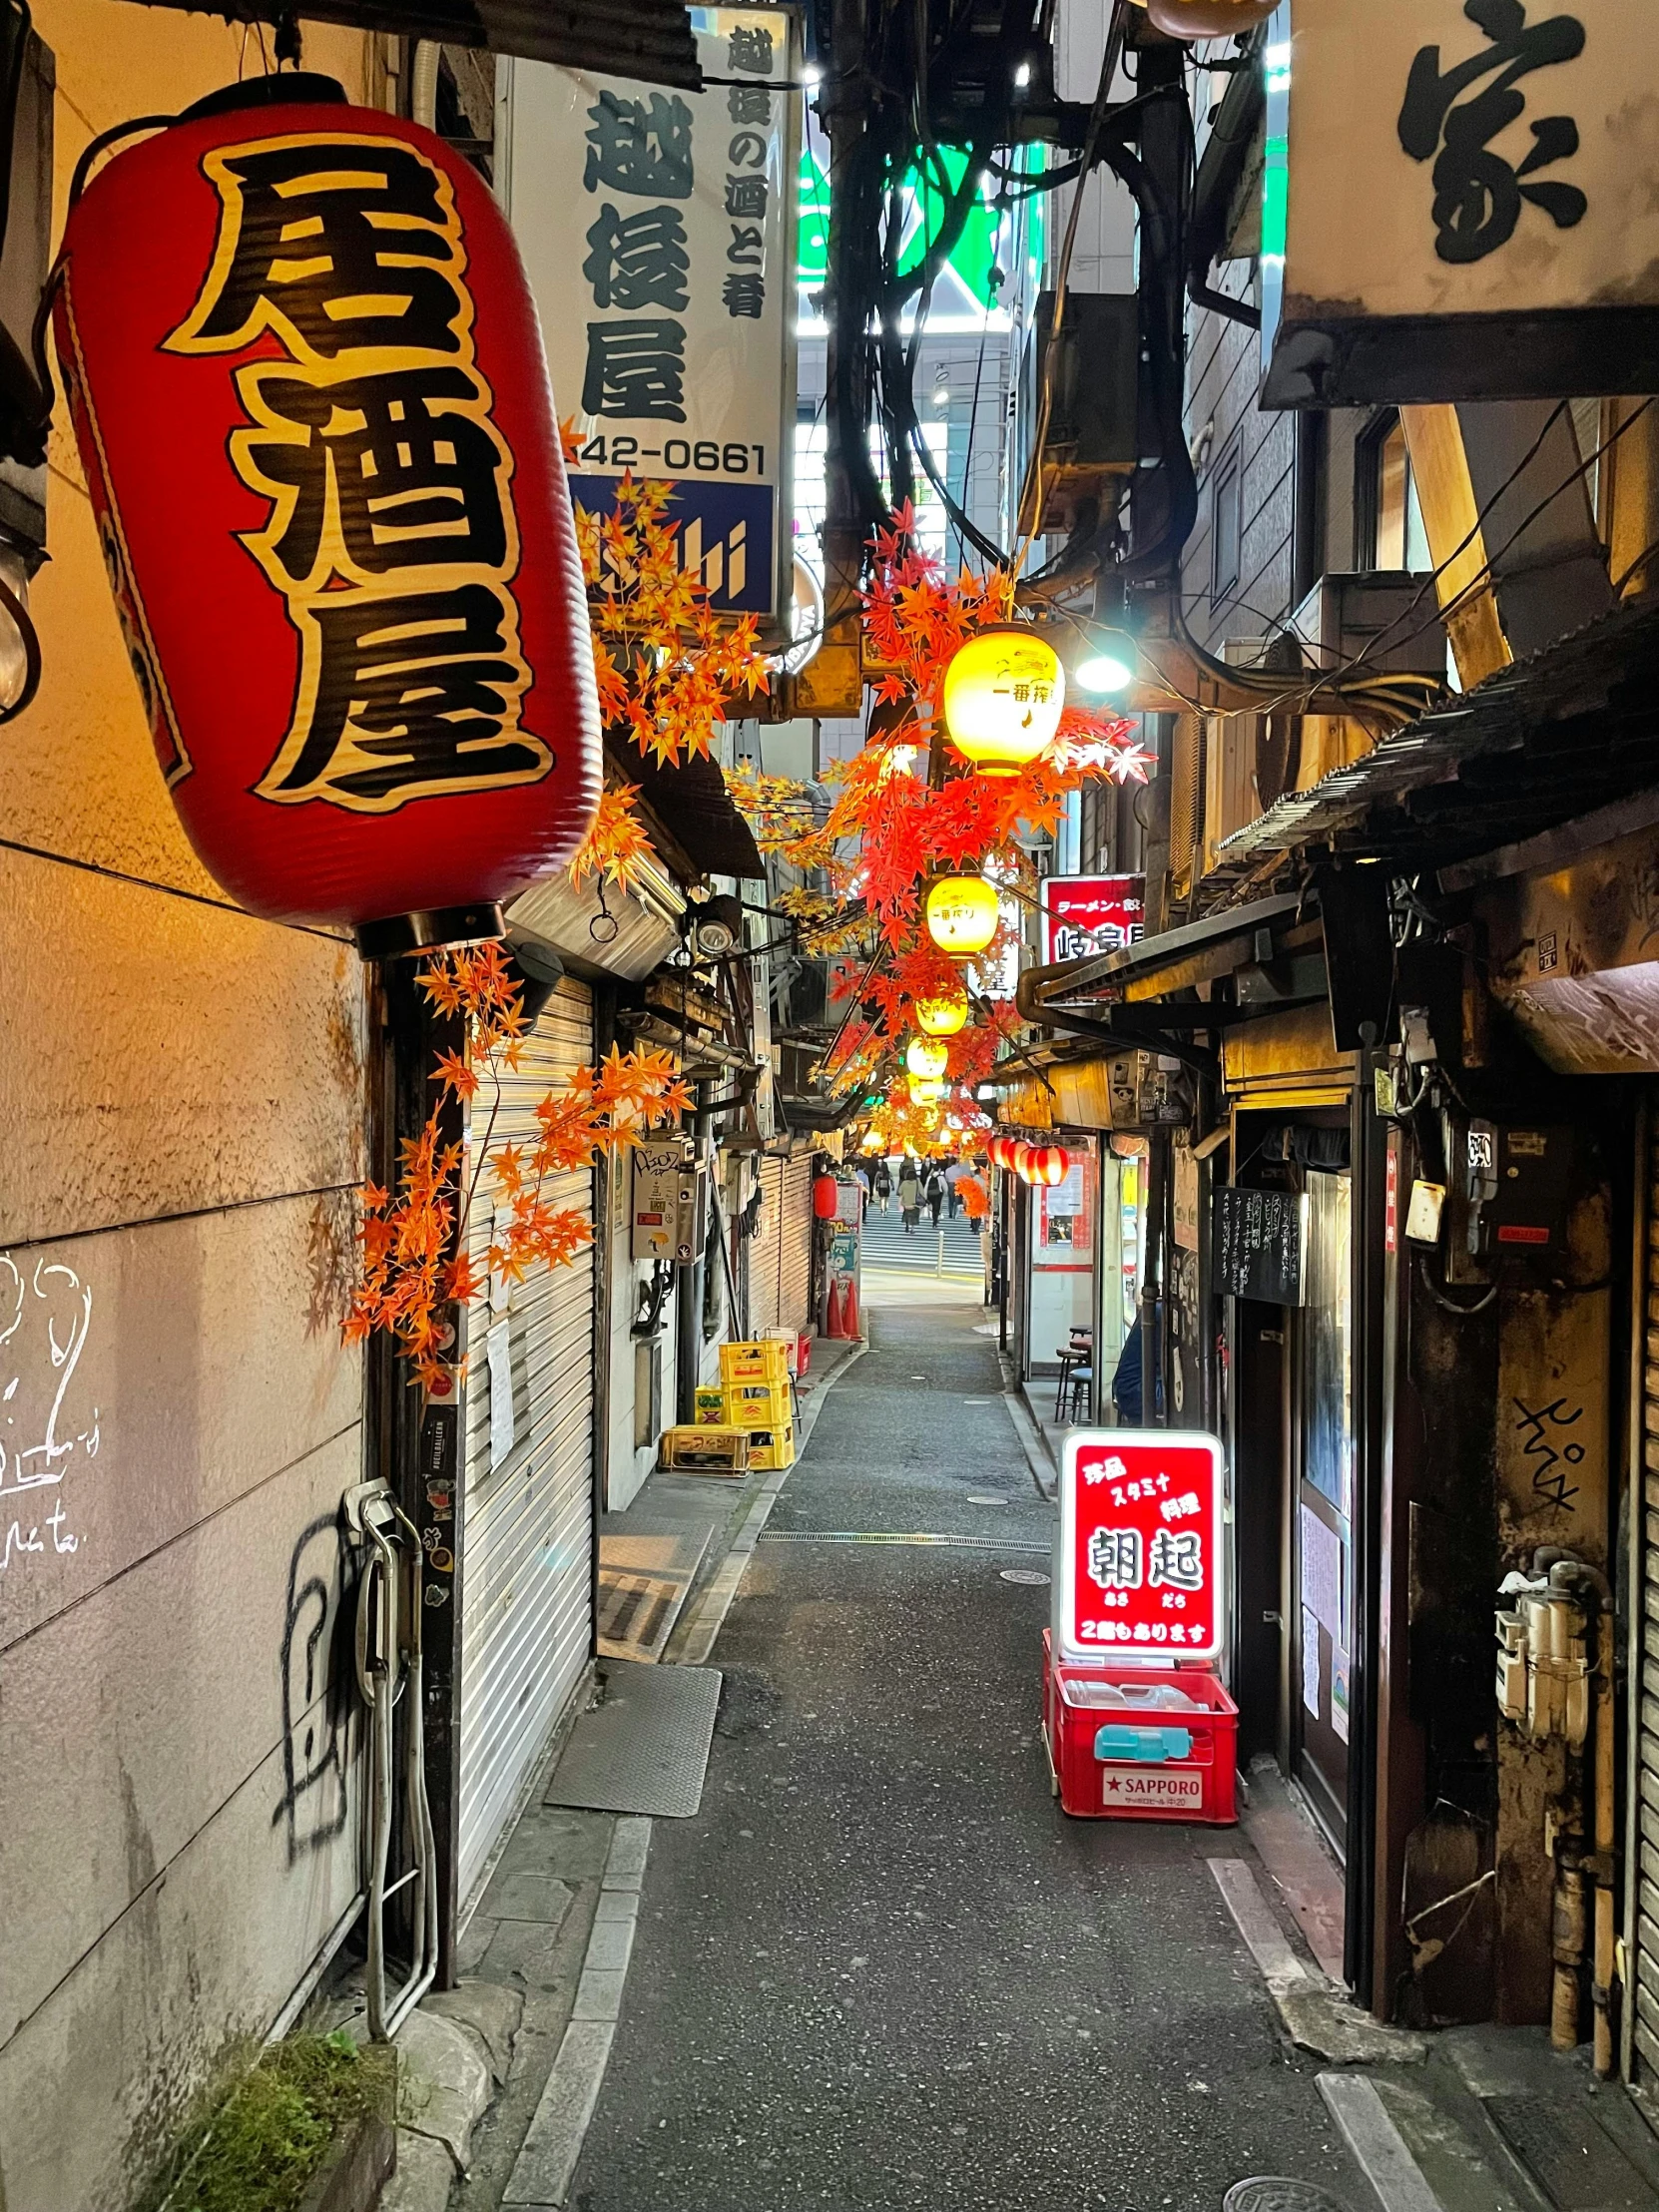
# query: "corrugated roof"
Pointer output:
{"type": "Point", "coordinates": [647, 39]}
{"type": "Point", "coordinates": [1571, 729]}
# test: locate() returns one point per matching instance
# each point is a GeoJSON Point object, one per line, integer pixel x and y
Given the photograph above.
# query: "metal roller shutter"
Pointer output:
{"type": "Point", "coordinates": [795, 1269]}
{"type": "Point", "coordinates": [765, 1257]}
{"type": "Point", "coordinates": [1642, 1935]}
{"type": "Point", "coordinates": [526, 1589]}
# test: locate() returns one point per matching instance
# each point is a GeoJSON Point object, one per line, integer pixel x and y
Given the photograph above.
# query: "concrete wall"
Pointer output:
{"type": "Point", "coordinates": [182, 1101]}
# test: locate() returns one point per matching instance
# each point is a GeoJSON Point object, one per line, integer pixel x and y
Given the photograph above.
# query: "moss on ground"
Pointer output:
{"type": "Point", "coordinates": [257, 2147]}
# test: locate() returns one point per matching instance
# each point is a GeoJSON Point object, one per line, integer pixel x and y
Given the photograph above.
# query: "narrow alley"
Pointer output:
{"type": "Point", "coordinates": [881, 1968]}
{"type": "Point", "coordinates": [830, 1106]}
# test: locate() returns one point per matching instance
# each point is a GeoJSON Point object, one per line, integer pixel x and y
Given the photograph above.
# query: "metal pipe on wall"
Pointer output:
{"type": "Point", "coordinates": [1635, 1538]}
{"type": "Point", "coordinates": [423, 83]}
{"type": "Point", "coordinates": [687, 1299]}
{"type": "Point", "coordinates": [1606, 1803]}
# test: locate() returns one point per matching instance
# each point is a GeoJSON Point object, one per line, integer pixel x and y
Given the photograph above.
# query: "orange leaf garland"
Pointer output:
{"type": "Point", "coordinates": [615, 842]}
{"type": "Point", "coordinates": [666, 663]}
{"type": "Point", "coordinates": [415, 1264]}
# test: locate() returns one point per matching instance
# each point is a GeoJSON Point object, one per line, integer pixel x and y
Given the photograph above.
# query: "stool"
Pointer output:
{"type": "Point", "coordinates": [1081, 1383]}
{"type": "Point", "coordinates": [1069, 1357]}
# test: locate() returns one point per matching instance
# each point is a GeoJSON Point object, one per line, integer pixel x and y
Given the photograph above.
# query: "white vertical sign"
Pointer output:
{"type": "Point", "coordinates": [658, 230]}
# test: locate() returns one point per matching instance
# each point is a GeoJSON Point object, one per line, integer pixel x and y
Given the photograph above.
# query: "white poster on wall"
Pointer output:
{"type": "Point", "coordinates": [658, 230]}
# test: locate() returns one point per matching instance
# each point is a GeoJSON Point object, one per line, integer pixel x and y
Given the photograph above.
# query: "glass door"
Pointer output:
{"type": "Point", "coordinates": [1322, 1543]}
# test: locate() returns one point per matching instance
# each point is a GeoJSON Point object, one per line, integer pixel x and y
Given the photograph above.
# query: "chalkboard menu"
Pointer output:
{"type": "Point", "coordinates": [1258, 1248]}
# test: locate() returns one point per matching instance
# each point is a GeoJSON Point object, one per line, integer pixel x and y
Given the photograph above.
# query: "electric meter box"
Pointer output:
{"type": "Point", "coordinates": [1518, 1187]}
{"type": "Point", "coordinates": [667, 1202]}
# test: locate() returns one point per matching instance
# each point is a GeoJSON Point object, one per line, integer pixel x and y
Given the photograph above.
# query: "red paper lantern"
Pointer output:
{"type": "Point", "coordinates": [1000, 1152]}
{"type": "Point", "coordinates": [826, 1199]}
{"type": "Point", "coordinates": [307, 383]}
{"type": "Point", "coordinates": [1045, 1163]}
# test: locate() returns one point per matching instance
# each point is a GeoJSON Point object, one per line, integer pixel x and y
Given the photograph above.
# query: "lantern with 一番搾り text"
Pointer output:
{"type": "Point", "coordinates": [961, 912]}
{"type": "Point", "coordinates": [306, 378]}
{"type": "Point", "coordinates": [1002, 698]}
{"type": "Point", "coordinates": [942, 1017]}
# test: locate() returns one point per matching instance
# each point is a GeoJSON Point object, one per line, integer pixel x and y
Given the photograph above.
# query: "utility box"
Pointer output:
{"type": "Point", "coordinates": [1519, 1186]}
{"type": "Point", "coordinates": [1093, 430]}
{"type": "Point", "coordinates": [667, 1201]}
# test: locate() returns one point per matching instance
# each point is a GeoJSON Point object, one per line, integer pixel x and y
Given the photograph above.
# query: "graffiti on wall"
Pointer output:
{"type": "Point", "coordinates": [44, 1426]}
{"type": "Point", "coordinates": [317, 1664]}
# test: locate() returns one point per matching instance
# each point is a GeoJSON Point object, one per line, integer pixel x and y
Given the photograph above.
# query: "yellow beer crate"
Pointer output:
{"type": "Point", "coordinates": [756, 1404]}
{"type": "Point", "coordinates": [709, 1407]}
{"type": "Point", "coordinates": [772, 1448]}
{"type": "Point", "coordinates": [692, 1449]}
{"type": "Point", "coordinates": [755, 1362]}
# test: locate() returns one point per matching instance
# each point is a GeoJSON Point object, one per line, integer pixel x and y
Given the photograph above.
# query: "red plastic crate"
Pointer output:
{"type": "Point", "coordinates": [1117, 1754]}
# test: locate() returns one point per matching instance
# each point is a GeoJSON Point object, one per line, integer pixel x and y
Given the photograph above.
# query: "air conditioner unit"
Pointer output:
{"type": "Point", "coordinates": [1386, 619]}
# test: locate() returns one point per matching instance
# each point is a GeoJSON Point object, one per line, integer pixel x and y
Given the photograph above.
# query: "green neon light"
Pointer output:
{"type": "Point", "coordinates": [1276, 181]}
{"type": "Point", "coordinates": [926, 196]}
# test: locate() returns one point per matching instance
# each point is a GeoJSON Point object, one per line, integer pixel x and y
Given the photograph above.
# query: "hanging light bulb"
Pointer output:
{"type": "Point", "coordinates": [1004, 695]}
{"type": "Point", "coordinates": [942, 1017]}
{"type": "Point", "coordinates": [961, 915]}
{"type": "Point", "coordinates": [924, 1058]}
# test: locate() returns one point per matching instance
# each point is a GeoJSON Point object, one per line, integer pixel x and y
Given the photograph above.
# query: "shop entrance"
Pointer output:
{"type": "Point", "coordinates": [1318, 1537]}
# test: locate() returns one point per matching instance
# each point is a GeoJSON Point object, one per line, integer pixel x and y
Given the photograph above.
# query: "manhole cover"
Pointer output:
{"type": "Point", "coordinates": [1032, 1577]}
{"type": "Point", "coordinates": [1275, 2193]}
{"type": "Point", "coordinates": [986, 1498]}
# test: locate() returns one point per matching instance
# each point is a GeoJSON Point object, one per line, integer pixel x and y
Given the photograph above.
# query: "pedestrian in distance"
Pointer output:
{"type": "Point", "coordinates": [954, 1170]}
{"type": "Point", "coordinates": [884, 1186]}
{"type": "Point", "coordinates": [910, 1196]}
{"type": "Point", "coordinates": [936, 1194]}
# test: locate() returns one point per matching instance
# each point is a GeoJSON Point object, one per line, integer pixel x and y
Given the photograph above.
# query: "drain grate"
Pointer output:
{"type": "Point", "coordinates": [1570, 2156]}
{"type": "Point", "coordinates": [889, 1536]}
{"type": "Point", "coordinates": [636, 1612]}
{"type": "Point", "coordinates": [1277, 2193]}
{"type": "Point", "coordinates": [646, 1569]}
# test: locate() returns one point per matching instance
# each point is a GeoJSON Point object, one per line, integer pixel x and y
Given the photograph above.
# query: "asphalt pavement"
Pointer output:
{"type": "Point", "coordinates": [880, 1969]}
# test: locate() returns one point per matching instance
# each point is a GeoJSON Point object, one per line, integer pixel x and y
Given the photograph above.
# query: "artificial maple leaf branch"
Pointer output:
{"type": "Point", "coordinates": [416, 1261]}
{"type": "Point", "coordinates": [666, 663]}
{"type": "Point", "coordinates": [615, 842]}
